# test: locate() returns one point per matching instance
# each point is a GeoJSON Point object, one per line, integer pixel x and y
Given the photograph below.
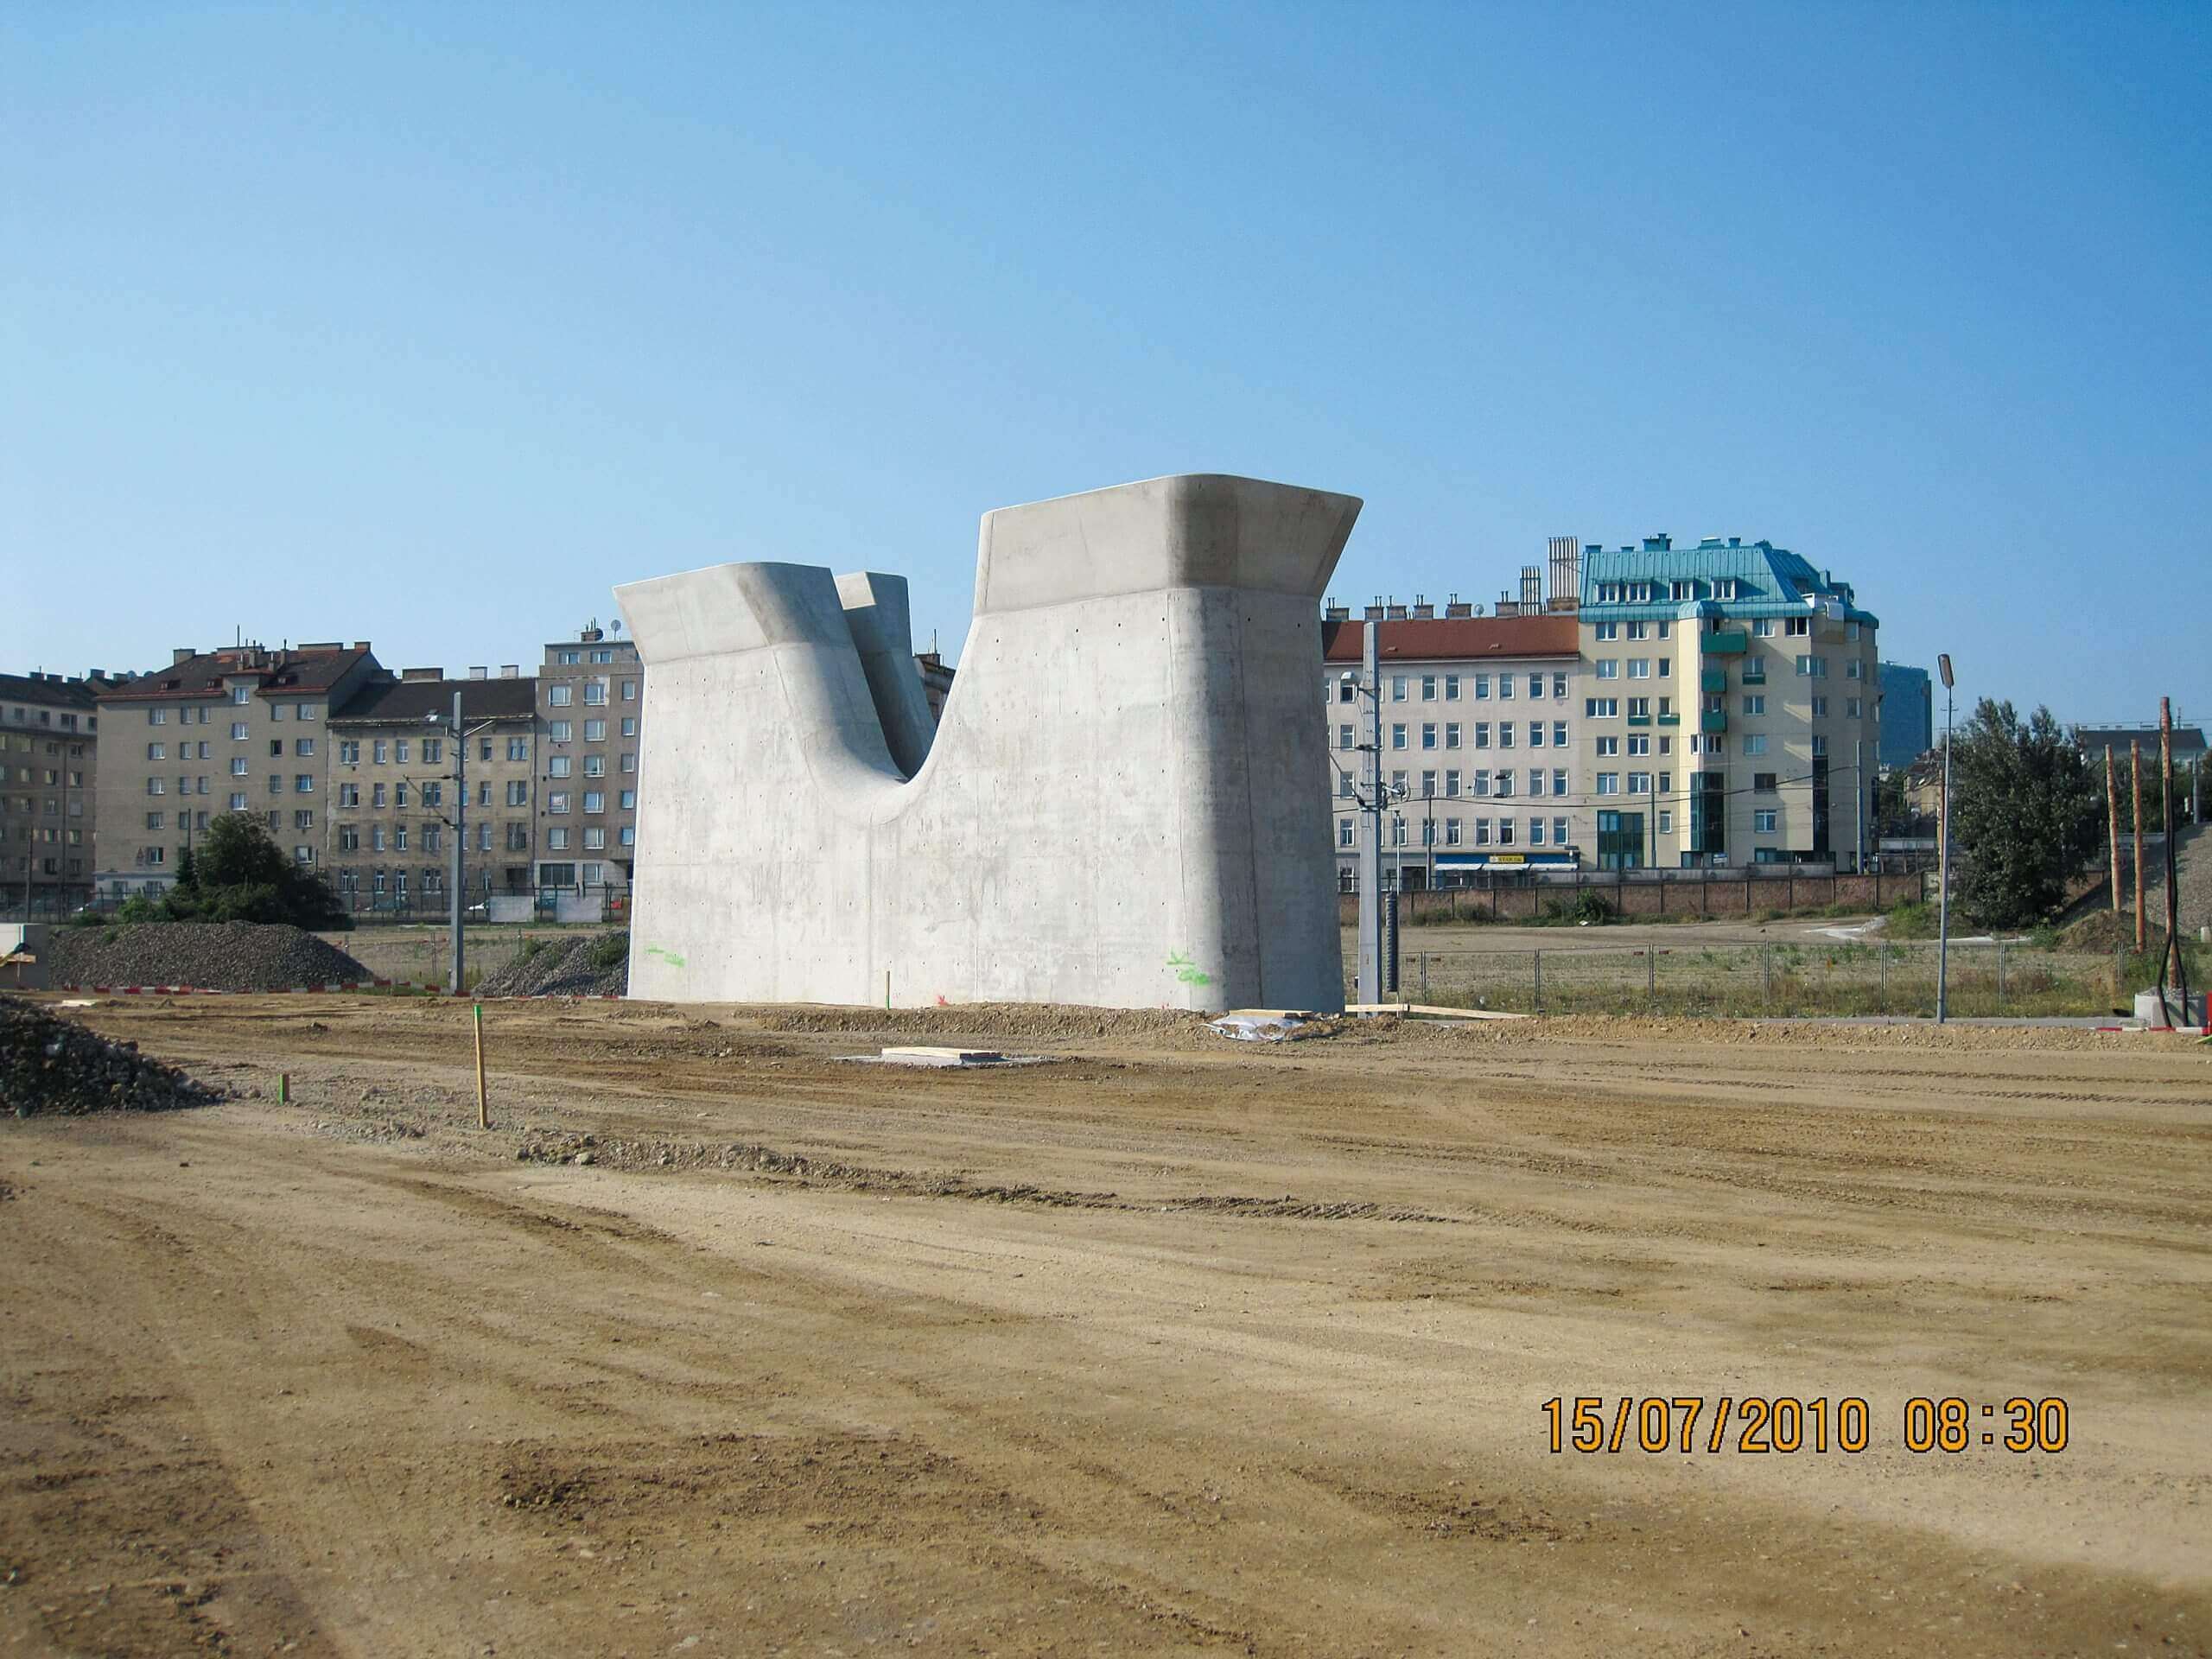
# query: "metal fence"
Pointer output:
{"type": "Point", "coordinates": [2013, 978]}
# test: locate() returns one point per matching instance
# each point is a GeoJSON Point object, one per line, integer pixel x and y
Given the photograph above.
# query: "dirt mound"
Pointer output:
{"type": "Point", "coordinates": [209, 956]}
{"type": "Point", "coordinates": [590, 964]}
{"type": "Point", "coordinates": [52, 1065]}
{"type": "Point", "coordinates": [2110, 930]}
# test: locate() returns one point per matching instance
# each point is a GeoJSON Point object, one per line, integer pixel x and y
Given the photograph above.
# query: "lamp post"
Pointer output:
{"type": "Point", "coordinates": [1944, 859]}
{"type": "Point", "coordinates": [458, 897]}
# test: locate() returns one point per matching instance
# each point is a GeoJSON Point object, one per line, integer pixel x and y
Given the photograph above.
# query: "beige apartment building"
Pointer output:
{"type": "Point", "coordinates": [591, 700]}
{"type": "Point", "coordinates": [396, 784]}
{"type": "Point", "coordinates": [239, 730]}
{"type": "Point", "coordinates": [49, 731]}
{"type": "Point", "coordinates": [1481, 736]}
{"type": "Point", "coordinates": [1731, 703]}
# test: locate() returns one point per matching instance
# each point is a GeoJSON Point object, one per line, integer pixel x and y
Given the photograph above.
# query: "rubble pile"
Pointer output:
{"type": "Point", "coordinates": [589, 964]}
{"type": "Point", "coordinates": [207, 955]}
{"type": "Point", "coordinates": [54, 1065]}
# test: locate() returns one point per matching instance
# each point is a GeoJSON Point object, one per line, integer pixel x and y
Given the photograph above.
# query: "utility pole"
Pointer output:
{"type": "Point", "coordinates": [2112, 831]}
{"type": "Point", "coordinates": [1860, 787]}
{"type": "Point", "coordinates": [1943, 860]}
{"type": "Point", "coordinates": [459, 898]}
{"type": "Point", "coordinates": [1371, 850]}
{"type": "Point", "coordinates": [2135, 762]}
{"type": "Point", "coordinates": [2173, 895]}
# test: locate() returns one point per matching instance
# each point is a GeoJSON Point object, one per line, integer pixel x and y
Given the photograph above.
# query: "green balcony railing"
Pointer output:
{"type": "Point", "coordinates": [1670, 719]}
{"type": "Point", "coordinates": [1712, 721]}
{"type": "Point", "coordinates": [1639, 720]}
{"type": "Point", "coordinates": [1727, 642]}
{"type": "Point", "coordinates": [1713, 679]}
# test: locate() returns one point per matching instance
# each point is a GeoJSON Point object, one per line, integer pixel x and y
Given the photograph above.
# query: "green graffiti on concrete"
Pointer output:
{"type": "Point", "coordinates": [668, 956]}
{"type": "Point", "coordinates": [1186, 971]}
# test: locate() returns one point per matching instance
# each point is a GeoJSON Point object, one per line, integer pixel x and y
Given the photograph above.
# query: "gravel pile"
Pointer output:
{"type": "Point", "coordinates": [590, 964]}
{"type": "Point", "coordinates": [51, 1065]}
{"type": "Point", "coordinates": [209, 956]}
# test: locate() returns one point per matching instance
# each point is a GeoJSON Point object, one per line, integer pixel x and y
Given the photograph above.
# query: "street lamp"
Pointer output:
{"type": "Point", "coordinates": [459, 821]}
{"type": "Point", "coordinates": [1371, 799]}
{"type": "Point", "coordinates": [1944, 859]}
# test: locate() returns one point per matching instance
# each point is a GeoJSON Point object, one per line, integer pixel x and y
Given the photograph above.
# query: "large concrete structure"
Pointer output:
{"type": "Point", "coordinates": [1117, 809]}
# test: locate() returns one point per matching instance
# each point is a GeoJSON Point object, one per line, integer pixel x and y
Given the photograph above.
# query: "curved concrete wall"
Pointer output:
{"type": "Point", "coordinates": [1117, 810]}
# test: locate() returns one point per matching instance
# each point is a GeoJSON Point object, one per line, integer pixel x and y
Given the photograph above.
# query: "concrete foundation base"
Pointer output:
{"type": "Point", "coordinates": [2174, 1012]}
{"type": "Point", "coordinates": [1119, 807]}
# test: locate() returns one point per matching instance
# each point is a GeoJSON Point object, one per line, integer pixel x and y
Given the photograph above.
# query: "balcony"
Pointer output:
{"type": "Point", "coordinates": [1727, 642]}
{"type": "Point", "coordinates": [1643, 719]}
{"type": "Point", "coordinates": [1670, 719]}
{"type": "Point", "coordinates": [1712, 721]}
{"type": "Point", "coordinates": [1713, 679]}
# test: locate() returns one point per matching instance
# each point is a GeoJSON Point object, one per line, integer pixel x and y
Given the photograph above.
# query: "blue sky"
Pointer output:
{"type": "Point", "coordinates": [427, 324]}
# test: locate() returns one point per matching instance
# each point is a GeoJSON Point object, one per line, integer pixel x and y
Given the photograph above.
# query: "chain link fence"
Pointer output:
{"type": "Point", "coordinates": [2011, 978]}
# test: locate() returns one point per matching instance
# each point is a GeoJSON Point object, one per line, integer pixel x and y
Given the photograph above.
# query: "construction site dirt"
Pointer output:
{"type": "Point", "coordinates": [713, 1345]}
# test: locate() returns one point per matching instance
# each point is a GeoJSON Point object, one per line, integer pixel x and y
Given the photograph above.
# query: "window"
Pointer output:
{"type": "Point", "coordinates": [1559, 780]}
{"type": "Point", "coordinates": [1638, 743]}
{"type": "Point", "coordinates": [1344, 736]}
{"type": "Point", "coordinates": [1605, 630]}
{"type": "Point", "coordinates": [1451, 733]}
{"type": "Point", "coordinates": [1666, 668]}
{"type": "Point", "coordinates": [1609, 783]}
{"type": "Point", "coordinates": [1797, 627]}
{"type": "Point", "coordinates": [1397, 783]}
{"type": "Point", "coordinates": [157, 751]}
{"type": "Point", "coordinates": [432, 839]}
{"type": "Point", "coordinates": [1763, 627]}
{"type": "Point", "coordinates": [594, 731]}
{"type": "Point", "coordinates": [1639, 707]}
{"type": "Point", "coordinates": [153, 820]}
{"type": "Point", "coordinates": [376, 794]}
{"type": "Point", "coordinates": [1429, 832]}
{"type": "Point", "coordinates": [1638, 631]}
{"type": "Point", "coordinates": [1609, 668]}
{"type": "Point", "coordinates": [1755, 704]}
{"type": "Point", "coordinates": [1639, 668]}
{"type": "Point", "coordinates": [1428, 734]}
{"type": "Point", "coordinates": [303, 745]}
{"type": "Point", "coordinates": [1681, 590]}
{"type": "Point", "coordinates": [1559, 684]}
{"type": "Point", "coordinates": [627, 800]}
{"type": "Point", "coordinates": [1666, 821]}
{"type": "Point", "coordinates": [1397, 832]}
{"type": "Point", "coordinates": [1505, 734]}
{"type": "Point", "coordinates": [1608, 746]}
{"type": "Point", "coordinates": [629, 690]}
{"type": "Point", "coordinates": [1428, 687]}
{"type": "Point", "coordinates": [1601, 708]}
{"type": "Point", "coordinates": [1813, 667]}
{"type": "Point", "coordinates": [567, 658]}
{"type": "Point", "coordinates": [1639, 783]}
{"type": "Point", "coordinates": [1344, 832]}
{"type": "Point", "coordinates": [1558, 734]}
{"type": "Point", "coordinates": [156, 786]}
{"type": "Point", "coordinates": [434, 794]}
{"type": "Point", "coordinates": [1754, 672]}
{"type": "Point", "coordinates": [1820, 746]}
{"type": "Point", "coordinates": [377, 840]}
{"type": "Point", "coordinates": [308, 711]}
{"type": "Point", "coordinates": [1451, 783]}
{"type": "Point", "coordinates": [304, 783]}
{"type": "Point", "coordinates": [557, 801]}
{"type": "Point", "coordinates": [1482, 832]}
{"type": "Point", "coordinates": [629, 726]}
{"type": "Point", "coordinates": [595, 800]}
{"type": "Point", "coordinates": [349, 754]}
{"type": "Point", "coordinates": [1501, 783]}
{"type": "Point", "coordinates": [595, 693]}
{"type": "Point", "coordinates": [349, 838]}
{"type": "Point", "coordinates": [518, 792]}
{"type": "Point", "coordinates": [238, 802]}
{"type": "Point", "coordinates": [237, 731]}
{"type": "Point", "coordinates": [483, 749]}
{"type": "Point", "coordinates": [1450, 832]}
{"type": "Point", "coordinates": [1398, 688]}
{"type": "Point", "coordinates": [1505, 832]}
{"type": "Point", "coordinates": [240, 693]}
{"type": "Point", "coordinates": [1536, 832]}
{"type": "Point", "coordinates": [1536, 734]}
{"type": "Point", "coordinates": [1754, 743]}
{"type": "Point", "coordinates": [1482, 687]}
{"type": "Point", "coordinates": [1535, 781]}
{"type": "Point", "coordinates": [399, 751]}
{"type": "Point", "coordinates": [604, 654]}
{"type": "Point", "coordinates": [1397, 737]}
{"type": "Point", "coordinates": [1819, 708]}
{"type": "Point", "coordinates": [1853, 709]}
{"type": "Point", "coordinates": [517, 748]}
{"type": "Point", "coordinates": [275, 748]}
{"type": "Point", "coordinates": [276, 711]}
{"type": "Point", "coordinates": [1763, 783]}
{"type": "Point", "coordinates": [594, 766]}
{"type": "Point", "coordinates": [557, 766]}
{"type": "Point", "coordinates": [560, 696]}
{"type": "Point", "coordinates": [629, 835]}
{"type": "Point", "coordinates": [1559, 832]}
{"type": "Point", "coordinates": [1763, 821]}
{"type": "Point", "coordinates": [433, 751]}
{"type": "Point", "coordinates": [154, 716]}
{"type": "Point", "coordinates": [1343, 786]}
{"type": "Point", "coordinates": [1536, 685]}
{"type": "Point", "coordinates": [1853, 668]}
{"type": "Point", "coordinates": [1505, 685]}
{"type": "Point", "coordinates": [1451, 690]}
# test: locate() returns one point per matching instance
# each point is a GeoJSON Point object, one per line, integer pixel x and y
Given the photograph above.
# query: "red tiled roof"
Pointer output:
{"type": "Point", "coordinates": [281, 673]}
{"type": "Point", "coordinates": [1453, 639]}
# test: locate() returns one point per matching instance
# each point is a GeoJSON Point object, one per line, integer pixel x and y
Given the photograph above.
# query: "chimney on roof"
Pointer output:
{"type": "Point", "coordinates": [476, 673]}
{"type": "Point", "coordinates": [1374, 613]}
{"type": "Point", "coordinates": [1532, 588]}
{"type": "Point", "coordinates": [422, 673]}
{"type": "Point", "coordinates": [1565, 573]}
{"type": "Point", "coordinates": [360, 644]}
{"type": "Point", "coordinates": [1457, 606]}
{"type": "Point", "coordinates": [1661, 542]}
{"type": "Point", "coordinates": [1393, 612]}
{"type": "Point", "coordinates": [589, 633]}
{"type": "Point", "coordinates": [1423, 611]}
{"type": "Point", "coordinates": [181, 654]}
{"type": "Point", "coordinates": [508, 670]}
{"type": "Point", "coordinates": [1331, 612]}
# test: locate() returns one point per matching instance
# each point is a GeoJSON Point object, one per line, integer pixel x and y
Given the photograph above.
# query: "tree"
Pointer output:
{"type": "Point", "coordinates": [238, 873]}
{"type": "Point", "coordinates": [2026, 813]}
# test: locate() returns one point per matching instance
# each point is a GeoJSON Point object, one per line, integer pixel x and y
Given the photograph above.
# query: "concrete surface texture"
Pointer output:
{"type": "Point", "coordinates": [1117, 810]}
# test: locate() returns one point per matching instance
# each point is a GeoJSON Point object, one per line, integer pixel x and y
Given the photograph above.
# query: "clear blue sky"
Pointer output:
{"type": "Point", "coordinates": [427, 323]}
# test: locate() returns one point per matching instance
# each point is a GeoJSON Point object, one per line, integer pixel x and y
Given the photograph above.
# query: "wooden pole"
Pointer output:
{"type": "Point", "coordinates": [2173, 895]}
{"type": "Point", "coordinates": [2112, 829]}
{"type": "Point", "coordinates": [483, 1106]}
{"type": "Point", "coordinates": [2135, 761]}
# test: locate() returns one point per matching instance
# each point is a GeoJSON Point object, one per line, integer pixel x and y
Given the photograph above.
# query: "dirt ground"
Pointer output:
{"type": "Point", "coordinates": [1171, 1346]}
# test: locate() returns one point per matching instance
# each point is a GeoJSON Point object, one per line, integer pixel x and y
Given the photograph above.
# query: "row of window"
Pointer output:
{"type": "Point", "coordinates": [559, 731]}
{"type": "Point", "coordinates": [1639, 668]}
{"type": "Point", "coordinates": [8, 804]}
{"type": "Point", "coordinates": [238, 696]}
{"type": "Point", "coordinates": [22, 716]}
{"type": "Point", "coordinates": [1446, 735]}
{"type": "Point", "coordinates": [1678, 592]}
{"type": "Point", "coordinates": [561, 694]}
{"type": "Point", "coordinates": [1447, 686]}
{"type": "Point", "coordinates": [1454, 831]}
{"type": "Point", "coordinates": [556, 801]}
{"type": "Point", "coordinates": [302, 783]}
{"type": "Point", "coordinates": [573, 655]}
{"type": "Point", "coordinates": [594, 839]}
{"type": "Point", "coordinates": [558, 765]}
{"type": "Point", "coordinates": [1632, 630]}
{"type": "Point", "coordinates": [1445, 784]}
{"type": "Point", "coordinates": [198, 750]}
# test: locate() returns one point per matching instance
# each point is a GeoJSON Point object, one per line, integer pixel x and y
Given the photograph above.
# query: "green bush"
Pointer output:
{"type": "Point", "coordinates": [610, 951]}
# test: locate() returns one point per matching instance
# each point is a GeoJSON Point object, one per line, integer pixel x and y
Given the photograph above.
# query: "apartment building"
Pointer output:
{"type": "Point", "coordinates": [49, 730]}
{"type": "Point", "coordinates": [591, 696]}
{"type": "Point", "coordinates": [1731, 704]}
{"type": "Point", "coordinates": [395, 781]}
{"type": "Point", "coordinates": [239, 730]}
{"type": "Point", "coordinates": [1481, 734]}
{"type": "Point", "coordinates": [1908, 715]}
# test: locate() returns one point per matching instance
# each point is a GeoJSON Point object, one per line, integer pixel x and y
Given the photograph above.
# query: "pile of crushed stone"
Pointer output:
{"type": "Point", "coordinates": [589, 964]}
{"type": "Point", "coordinates": [207, 955]}
{"type": "Point", "coordinates": [49, 1064]}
